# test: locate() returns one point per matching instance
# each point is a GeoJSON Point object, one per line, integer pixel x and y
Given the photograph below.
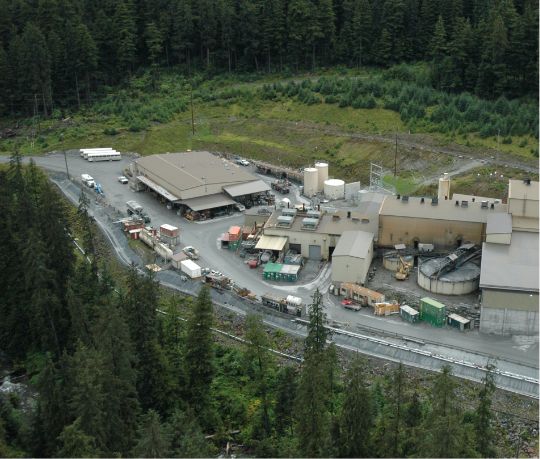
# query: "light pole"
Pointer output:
{"type": "Point", "coordinates": [65, 157]}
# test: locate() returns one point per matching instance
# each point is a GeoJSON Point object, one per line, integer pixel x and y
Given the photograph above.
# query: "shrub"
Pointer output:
{"type": "Point", "coordinates": [137, 125]}
{"type": "Point", "coordinates": [110, 131]}
{"type": "Point", "coordinates": [523, 143]}
{"type": "Point", "coordinates": [507, 140]}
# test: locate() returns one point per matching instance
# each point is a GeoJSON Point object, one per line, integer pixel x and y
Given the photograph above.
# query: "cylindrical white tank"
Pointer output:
{"type": "Point", "coordinates": [334, 189]}
{"type": "Point", "coordinates": [444, 187]}
{"type": "Point", "coordinates": [323, 175]}
{"type": "Point", "coordinates": [311, 181]}
{"type": "Point", "coordinates": [361, 195]}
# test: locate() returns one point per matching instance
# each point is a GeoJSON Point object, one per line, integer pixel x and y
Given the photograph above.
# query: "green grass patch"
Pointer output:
{"type": "Point", "coordinates": [401, 185]}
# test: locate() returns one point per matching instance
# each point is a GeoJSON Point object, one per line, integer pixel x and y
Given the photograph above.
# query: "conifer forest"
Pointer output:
{"type": "Point", "coordinates": [116, 365]}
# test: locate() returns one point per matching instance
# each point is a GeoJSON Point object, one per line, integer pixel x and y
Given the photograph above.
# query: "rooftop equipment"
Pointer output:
{"type": "Point", "coordinates": [310, 223]}
{"type": "Point", "coordinates": [314, 214]}
{"type": "Point", "coordinates": [289, 212]}
{"type": "Point", "coordinates": [284, 221]}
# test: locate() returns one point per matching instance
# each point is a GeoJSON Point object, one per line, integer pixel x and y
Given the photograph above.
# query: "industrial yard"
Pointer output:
{"type": "Point", "coordinates": [265, 242]}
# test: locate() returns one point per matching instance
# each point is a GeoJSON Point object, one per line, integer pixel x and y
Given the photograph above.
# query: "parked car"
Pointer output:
{"type": "Point", "coordinates": [243, 162]}
{"type": "Point", "coordinates": [123, 180]}
{"type": "Point", "coordinates": [239, 207]}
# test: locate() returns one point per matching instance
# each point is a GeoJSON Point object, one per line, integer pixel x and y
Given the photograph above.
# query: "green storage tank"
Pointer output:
{"type": "Point", "coordinates": [433, 312]}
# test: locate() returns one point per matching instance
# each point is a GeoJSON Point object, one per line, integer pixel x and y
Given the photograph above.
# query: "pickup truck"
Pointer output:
{"type": "Point", "coordinates": [191, 252]}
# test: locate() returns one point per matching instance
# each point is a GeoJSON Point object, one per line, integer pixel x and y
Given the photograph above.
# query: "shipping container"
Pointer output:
{"type": "Point", "coordinates": [385, 309]}
{"type": "Point", "coordinates": [190, 268]}
{"type": "Point", "coordinates": [461, 323]}
{"type": "Point", "coordinates": [409, 314]}
{"type": "Point", "coordinates": [433, 312]}
{"type": "Point", "coordinates": [272, 271]}
{"type": "Point", "coordinates": [169, 230]}
{"type": "Point", "coordinates": [177, 258]}
{"type": "Point", "coordinates": [234, 233]}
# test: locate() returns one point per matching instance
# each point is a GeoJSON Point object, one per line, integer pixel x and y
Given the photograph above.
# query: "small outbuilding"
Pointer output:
{"type": "Point", "coordinates": [352, 257]}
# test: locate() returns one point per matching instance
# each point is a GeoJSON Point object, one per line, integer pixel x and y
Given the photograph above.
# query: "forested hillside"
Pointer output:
{"type": "Point", "coordinates": [55, 53]}
{"type": "Point", "coordinates": [113, 377]}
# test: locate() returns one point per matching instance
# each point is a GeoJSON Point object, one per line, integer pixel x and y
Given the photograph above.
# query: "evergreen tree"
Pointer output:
{"type": "Point", "coordinates": [199, 354]}
{"type": "Point", "coordinates": [187, 438]}
{"type": "Point", "coordinates": [260, 363]}
{"type": "Point", "coordinates": [357, 414]}
{"type": "Point", "coordinates": [485, 436]}
{"type": "Point", "coordinates": [75, 443]}
{"type": "Point", "coordinates": [390, 431]}
{"type": "Point", "coordinates": [318, 334]}
{"type": "Point", "coordinates": [120, 411]}
{"type": "Point", "coordinates": [315, 388]}
{"type": "Point", "coordinates": [444, 435]}
{"type": "Point", "coordinates": [153, 438]}
{"type": "Point", "coordinates": [125, 37]}
{"type": "Point", "coordinates": [286, 387]}
{"type": "Point", "coordinates": [139, 304]}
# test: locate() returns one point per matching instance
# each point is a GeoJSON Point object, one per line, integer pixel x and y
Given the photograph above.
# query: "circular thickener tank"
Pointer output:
{"type": "Point", "coordinates": [334, 189]}
{"type": "Point", "coordinates": [311, 181]}
{"type": "Point", "coordinates": [460, 281]}
{"type": "Point", "coordinates": [392, 263]}
{"type": "Point", "coordinates": [323, 175]}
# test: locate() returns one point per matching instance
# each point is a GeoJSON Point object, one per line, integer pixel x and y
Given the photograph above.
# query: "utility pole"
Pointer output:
{"type": "Point", "coordinates": [65, 157]}
{"type": "Point", "coordinates": [192, 117]}
{"type": "Point", "coordinates": [395, 159]}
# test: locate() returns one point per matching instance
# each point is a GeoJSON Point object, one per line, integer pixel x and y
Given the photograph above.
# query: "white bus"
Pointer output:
{"type": "Point", "coordinates": [104, 156]}
{"type": "Point", "coordinates": [86, 151]}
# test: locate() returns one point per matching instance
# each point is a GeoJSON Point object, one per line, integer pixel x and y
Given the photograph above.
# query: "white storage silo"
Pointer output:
{"type": "Point", "coordinates": [334, 189]}
{"type": "Point", "coordinates": [311, 183]}
{"type": "Point", "coordinates": [444, 187]}
{"type": "Point", "coordinates": [322, 169]}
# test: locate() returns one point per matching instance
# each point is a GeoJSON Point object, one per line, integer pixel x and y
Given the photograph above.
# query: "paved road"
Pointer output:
{"type": "Point", "coordinates": [519, 357]}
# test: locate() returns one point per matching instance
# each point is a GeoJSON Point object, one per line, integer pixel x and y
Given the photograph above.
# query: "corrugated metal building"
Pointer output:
{"type": "Point", "coordinates": [352, 257]}
{"type": "Point", "coordinates": [317, 240]}
{"type": "Point", "coordinates": [509, 273]}
{"type": "Point", "coordinates": [412, 220]}
{"type": "Point", "coordinates": [198, 180]}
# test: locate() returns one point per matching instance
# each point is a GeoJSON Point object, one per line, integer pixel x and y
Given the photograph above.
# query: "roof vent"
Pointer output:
{"type": "Point", "coordinates": [527, 181]}
{"type": "Point", "coordinates": [348, 214]}
{"type": "Point", "coordinates": [405, 199]}
{"type": "Point", "coordinates": [484, 205]}
{"type": "Point", "coordinates": [457, 203]}
{"type": "Point", "coordinates": [434, 201]}
{"type": "Point", "coordinates": [492, 206]}
{"type": "Point", "coordinates": [473, 199]}
{"type": "Point", "coordinates": [422, 201]}
{"type": "Point", "coordinates": [464, 203]}
{"type": "Point", "coordinates": [398, 196]}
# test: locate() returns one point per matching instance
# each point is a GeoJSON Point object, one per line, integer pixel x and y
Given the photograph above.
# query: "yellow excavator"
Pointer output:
{"type": "Point", "coordinates": [404, 269]}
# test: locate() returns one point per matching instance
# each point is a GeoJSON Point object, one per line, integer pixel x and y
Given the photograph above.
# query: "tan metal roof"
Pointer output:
{"type": "Point", "coordinates": [258, 186]}
{"type": "Point", "coordinates": [499, 223]}
{"type": "Point", "coordinates": [193, 173]}
{"type": "Point", "coordinates": [271, 243]}
{"type": "Point", "coordinates": [207, 202]}
{"type": "Point", "coordinates": [335, 223]}
{"type": "Point", "coordinates": [353, 244]}
{"type": "Point", "coordinates": [444, 210]}
{"type": "Point", "coordinates": [518, 189]}
{"type": "Point", "coordinates": [158, 189]}
{"type": "Point", "coordinates": [458, 318]}
{"type": "Point", "coordinates": [513, 266]}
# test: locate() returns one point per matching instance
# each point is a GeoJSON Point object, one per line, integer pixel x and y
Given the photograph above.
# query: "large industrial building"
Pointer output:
{"type": "Point", "coordinates": [443, 223]}
{"type": "Point", "coordinates": [197, 180]}
{"type": "Point", "coordinates": [509, 272]}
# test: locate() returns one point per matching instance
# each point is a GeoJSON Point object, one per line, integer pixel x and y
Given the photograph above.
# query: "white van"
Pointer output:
{"type": "Point", "coordinates": [88, 180]}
